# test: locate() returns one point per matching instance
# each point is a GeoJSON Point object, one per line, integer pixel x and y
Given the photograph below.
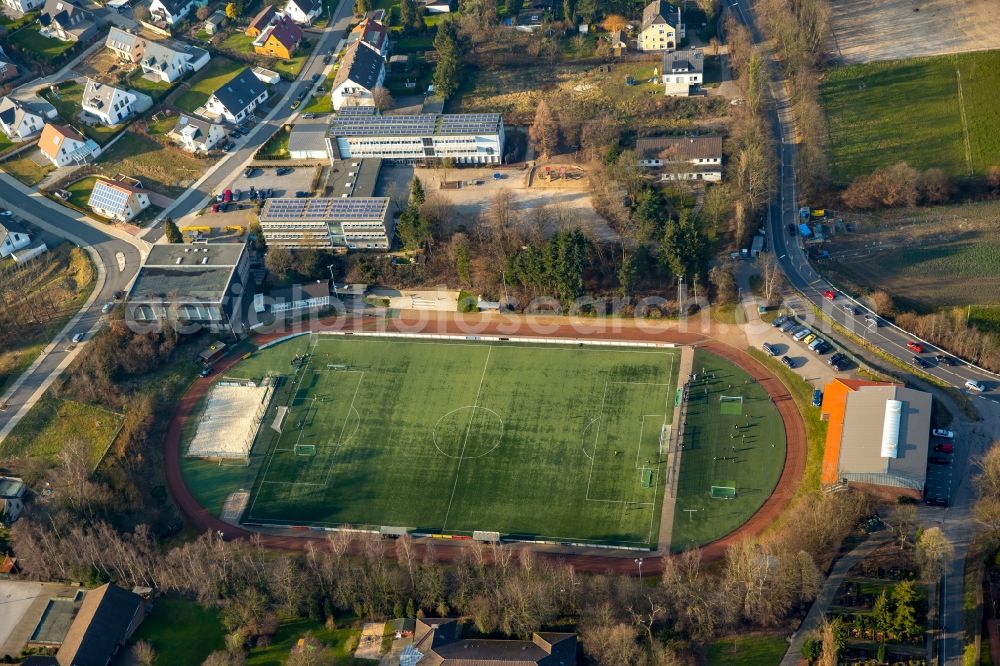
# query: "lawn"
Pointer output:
{"type": "Point", "coordinates": [207, 81]}
{"type": "Point", "coordinates": [276, 147]}
{"type": "Point", "coordinates": [752, 650]}
{"type": "Point", "coordinates": [155, 89]}
{"type": "Point", "coordinates": [341, 639]}
{"type": "Point", "coordinates": [289, 69]}
{"type": "Point", "coordinates": [66, 277]}
{"type": "Point", "coordinates": [729, 445]}
{"type": "Point", "coordinates": [79, 193]}
{"type": "Point", "coordinates": [918, 111]}
{"type": "Point", "coordinates": [321, 103]}
{"type": "Point", "coordinates": [162, 170]}
{"type": "Point", "coordinates": [69, 101]}
{"type": "Point", "coordinates": [25, 169]}
{"type": "Point", "coordinates": [46, 48]}
{"type": "Point", "coordinates": [237, 41]}
{"type": "Point", "coordinates": [44, 430]}
{"type": "Point", "coordinates": [546, 441]}
{"type": "Point", "coordinates": [181, 631]}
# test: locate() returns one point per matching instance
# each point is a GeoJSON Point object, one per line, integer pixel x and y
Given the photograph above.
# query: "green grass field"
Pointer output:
{"type": "Point", "coordinates": [549, 441]}
{"type": "Point", "coordinates": [204, 83]}
{"type": "Point", "coordinates": [755, 650]}
{"type": "Point", "coordinates": [912, 110]}
{"type": "Point", "coordinates": [51, 421]}
{"type": "Point", "coordinates": [48, 49]}
{"type": "Point", "coordinates": [748, 458]}
{"type": "Point", "coordinates": [181, 632]}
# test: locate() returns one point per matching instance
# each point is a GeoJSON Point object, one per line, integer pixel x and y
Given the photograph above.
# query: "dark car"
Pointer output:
{"type": "Point", "coordinates": [920, 362]}
{"type": "Point", "coordinates": [788, 362]}
{"type": "Point", "coordinates": [944, 448]}
{"type": "Point", "coordinates": [301, 96]}
{"type": "Point", "coordinates": [817, 398]}
{"type": "Point", "coordinates": [315, 77]}
{"type": "Point", "coordinates": [842, 365]}
{"type": "Point", "coordinates": [283, 171]}
{"type": "Point", "coordinates": [823, 348]}
{"type": "Point", "coordinates": [852, 309]}
{"type": "Point", "coordinates": [946, 360]}
{"type": "Point", "coordinates": [206, 371]}
{"type": "Point", "coordinates": [833, 360]}
{"type": "Point", "coordinates": [779, 321]}
{"type": "Point", "coordinates": [788, 325]}
{"type": "Point", "coordinates": [327, 58]}
{"type": "Point", "coordinates": [938, 460]}
{"type": "Point", "coordinates": [249, 172]}
{"type": "Point", "coordinates": [270, 193]}
{"type": "Point", "coordinates": [301, 195]}
{"type": "Point", "coordinates": [936, 501]}
{"type": "Point", "coordinates": [119, 295]}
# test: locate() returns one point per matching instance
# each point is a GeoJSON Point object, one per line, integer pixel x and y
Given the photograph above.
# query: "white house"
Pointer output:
{"type": "Point", "coordinates": [361, 71]}
{"type": "Point", "coordinates": [22, 6]}
{"type": "Point", "coordinates": [236, 100]}
{"type": "Point", "coordinates": [169, 61]}
{"type": "Point", "coordinates": [128, 46]}
{"type": "Point", "coordinates": [13, 237]}
{"type": "Point", "coordinates": [662, 28]}
{"type": "Point", "coordinates": [196, 135]}
{"type": "Point", "coordinates": [682, 72]}
{"type": "Point", "coordinates": [682, 157]}
{"type": "Point", "coordinates": [64, 146]}
{"type": "Point", "coordinates": [18, 120]}
{"type": "Point", "coordinates": [117, 200]}
{"type": "Point", "coordinates": [304, 11]}
{"type": "Point", "coordinates": [172, 11]}
{"type": "Point", "coordinates": [109, 104]}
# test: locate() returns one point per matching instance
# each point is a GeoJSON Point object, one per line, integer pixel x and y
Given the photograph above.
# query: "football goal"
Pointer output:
{"type": "Point", "coordinates": [723, 492]}
{"type": "Point", "coordinates": [731, 405]}
{"type": "Point", "coordinates": [305, 449]}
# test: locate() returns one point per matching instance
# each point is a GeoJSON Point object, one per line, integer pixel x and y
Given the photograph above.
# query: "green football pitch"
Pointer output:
{"type": "Point", "coordinates": [555, 442]}
{"type": "Point", "coordinates": [734, 452]}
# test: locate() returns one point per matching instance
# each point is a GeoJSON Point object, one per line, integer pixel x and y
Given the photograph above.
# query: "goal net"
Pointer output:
{"type": "Point", "coordinates": [723, 492]}
{"type": "Point", "coordinates": [731, 404]}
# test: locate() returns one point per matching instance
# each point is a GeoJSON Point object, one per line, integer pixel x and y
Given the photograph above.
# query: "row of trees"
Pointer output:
{"type": "Point", "coordinates": [899, 185]}
{"type": "Point", "coordinates": [447, 73]}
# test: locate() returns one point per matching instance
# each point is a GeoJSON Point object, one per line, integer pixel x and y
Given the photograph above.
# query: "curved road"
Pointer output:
{"type": "Point", "coordinates": [116, 257]}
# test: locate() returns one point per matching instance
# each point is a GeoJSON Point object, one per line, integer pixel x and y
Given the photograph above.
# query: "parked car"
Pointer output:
{"type": "Point", "coordinates": [218, 197]}
{"type": "Point", "coordinates": [301, 194]}
{"type": "Point", "coordinates": [308, 116]}
{"type": "Point", "coordinates": [816, 344]}
{"type": "Point", "coordinates": [6, 213]}
{"type": "Point", "coordinates": [915, 346]}
{"type": "Point", "coordinates": [946, 360]}
{"type": "Point", "coordinates": [206, 371]}
{"type": "Point", "coordinates": [974, 385]}
{"type": "Point", "coordinates": [270, 192]}
{"type": "Point", "coordinates": [316, 77]}
{"type": "Point", "coordinates": [920, 362]}
{"type": "Point", "coordinates": [788, 362]}
{"type": "Point", "coordinates": [237, 194]}
{"type": "Point", "coordinates": [769, 349]}
{"type": "Point", "coordinates": [283, 171]}
{"type": "Point", "coordinates": [327, 58]}
{"type": "Point", "coordinates": [942, 433]}
{"type": "Point", "coordinates": [215, 208]}
{"type": "Point", "coordinates": [295, 104]}
{"type": "Point", "coordinates": [227, 196]}
{"type": "Point", "coordinates": [800, 335]}
{"type": "Point", "coordinates": [944, 448]}
{"type": "Point", "coordinates": [850, 308]}
{"type": "Point", "coordinates": [77, 337]}
{"type": "Point", "coordinates": [829, 294]}
{"type": "Point", "coordinates": [936, 501]}
{"type": "Point", "coordinates": [833, 360]}
{"type": "Point", "coordinates": [823, 347]}
{"type": "Point", "coordinates": [937, 460]}
{"type": "Point", "coordinates": [789, 325]}
{"type": "Point", "coordinates": [302, 95]}
{"type": "Point", "coordinates": [249, 172]}
{"type": "Point", "coordinates": [817, 398]}
{"type": "Point", "coordinates": [842, 364]}
{"type": "Point", "coordinates": [779, 321]}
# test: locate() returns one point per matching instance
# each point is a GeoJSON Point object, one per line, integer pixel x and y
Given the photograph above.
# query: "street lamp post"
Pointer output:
{"type": "Point", "coordinates": [638, 561]}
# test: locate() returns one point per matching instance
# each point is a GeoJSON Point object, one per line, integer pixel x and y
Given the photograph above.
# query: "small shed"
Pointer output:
{"type": "Point", "coordinates": [215, 22]}
{"type": "Point", "coordinates": [266, 75]}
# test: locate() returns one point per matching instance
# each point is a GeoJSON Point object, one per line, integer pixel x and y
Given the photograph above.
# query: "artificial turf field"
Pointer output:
{"type": "Point", "coordinates": [749, 458]}
{"type": "Point", "coordinates": [555, 442]}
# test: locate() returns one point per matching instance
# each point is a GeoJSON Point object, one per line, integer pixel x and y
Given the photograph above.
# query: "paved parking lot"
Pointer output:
{"type": "Point", "coordinates": [300, 179]}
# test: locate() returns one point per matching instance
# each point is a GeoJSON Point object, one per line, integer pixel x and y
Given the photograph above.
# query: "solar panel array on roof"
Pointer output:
{"type": "Point", "coordinates": [425, 124]}
{"type": "Point", "coordinates": [356, 111]}
{"type": "Point", "coordinates": [352, 208]}
{"type": "Point", "coordinates": [107, 197]}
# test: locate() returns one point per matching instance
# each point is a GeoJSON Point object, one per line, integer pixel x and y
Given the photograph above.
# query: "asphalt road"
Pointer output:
{"type": "Point", "coordinates": [329, 42]}
{"type": "Point", "coordinates": [956, 521]}
{"type": "Point", "coordinates": [120, 259]}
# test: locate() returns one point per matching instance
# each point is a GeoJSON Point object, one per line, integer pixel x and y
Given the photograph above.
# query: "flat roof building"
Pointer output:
{"type": "Point", "coordinates": [467, 138]}
{"type": "Point", "coordinates": [202, 285]}
{"type": "Point", "coordinates": [877, 438]}
{"type": "Point", "coordinates": [328, 222]}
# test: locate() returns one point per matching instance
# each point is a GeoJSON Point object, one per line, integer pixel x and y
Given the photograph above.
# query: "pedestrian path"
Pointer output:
{"type": "Point", "coordinates": [674, 452]}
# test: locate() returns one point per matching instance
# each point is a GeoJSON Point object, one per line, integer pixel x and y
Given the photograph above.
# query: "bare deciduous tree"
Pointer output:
{"type": "Point", "coordinates": [932, 553]}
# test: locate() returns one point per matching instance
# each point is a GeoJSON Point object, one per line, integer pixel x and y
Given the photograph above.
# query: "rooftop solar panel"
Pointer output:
{"type": "Point", "coordinates": [415, 125]}
{"type": "Point", "coordinates": [357, 208]}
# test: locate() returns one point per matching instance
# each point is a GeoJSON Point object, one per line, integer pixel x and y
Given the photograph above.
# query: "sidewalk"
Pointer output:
{"type": "Point", "coordinates": [675, 449]}
{"type": "Point", "coordinates": [818, 610]}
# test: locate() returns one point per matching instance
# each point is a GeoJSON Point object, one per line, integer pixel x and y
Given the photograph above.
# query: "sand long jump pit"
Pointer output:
{"type": "Point", "coordinates": [229, 424]}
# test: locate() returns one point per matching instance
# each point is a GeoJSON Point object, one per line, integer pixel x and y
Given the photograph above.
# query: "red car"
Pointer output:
{"type": "Point", "coordinates": [915, 347]}
{"type": "Point", "coordinates": [829, 294]}
{"type": "Point", "coordinates": [944, 448]}
{"type": "Point", "coordinates": [227, 196]}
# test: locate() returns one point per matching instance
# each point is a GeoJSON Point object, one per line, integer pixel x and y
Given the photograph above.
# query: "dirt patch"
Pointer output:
{"type": "Point", "coordinates": [370, 643]}
{"type": "Point", "coordinates": [567, 195]}
{"type": "Point", "coordinates": [864, 31]}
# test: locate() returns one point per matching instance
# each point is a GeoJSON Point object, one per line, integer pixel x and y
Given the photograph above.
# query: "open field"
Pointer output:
{"type": "Point", "coordinates": [727, 444]}
{"type": "Point", "coordinates": [181, 632]}
{"type": "Point", "coordinates": [290, 631]}
{"type": "Point", "coordinates": [554, 442]}
{"type": "Point", "coordinates": [29, 167]}
{"type": "Point", "coordinates": [200, 86]}
{"type": "Point", "coordinates": [166, 171]}
{"type": "Point", "coordinates": [929, 112]}
{"type": "Point", "coordinates": [908, 30]}
{"type": "Point", "coordinates": [44, 430]}
{"type": "Point", "coordinates": [926, 258]}
{"type": "Point", "coordinates": [753, 650]}
{"type": "Point", "coordinates": [53, 288]}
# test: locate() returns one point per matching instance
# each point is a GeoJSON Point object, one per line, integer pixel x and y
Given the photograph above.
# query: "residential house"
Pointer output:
{"type": "Point", "coordinates": [109, 104]}
{"type": "Point", "coordinates": [619, 42]}
{"type": "Point", "coordinates": [106, 620]}
{"type": "Point", "coordinates": [877, 438]}
{"type": "Point", "coordinates": [437, 6]}
{"type": "Point", "coordinates": [169, 61]}
{"type": "Point", "coordinates": [304, 11]}
{"type": "Point", "coordinates": [8, 70]}
{"type": "Point", "coordinates": [12, 489]}
{"type": "Point", "coordinates": [22, 6]}
{"type": "Point", "coordinates": [662, 28]}
{"type": "Point", "coordinates": [66, 21]}
{"type": "Point", "coordinates": [279, 40]}
{"type": "Point", "coordinates": [439, 641]}
{"type": "Point", "coordinates": [13, 237]}
{"type": "Point", "coordinates": [127, 45]}
{"type": "Point", "coordinates": [18, 120]}
{"type": "Point", "coordinates": [215, 22]}
{"type": "Point", "coordinates": [361, 71]}
{"type": "Point", "coordinates": [372, 34]}
{"type": "Point", "coordinates": [682, 72]}
{"type": "Point", "coordinates": [682, 157]}
{"type": "Point", "coordinates": [63, 145]}
{"type": "Point", "coordinates": [172, 11]}
{"type": "Point", "coordinates": [259, 22]}
{"type": "Point", "coordinates": [117, 199]}
{"type": "Point", "coordinates": [236, 100]}
{"type": "Point", "coordinates": [196, 135]}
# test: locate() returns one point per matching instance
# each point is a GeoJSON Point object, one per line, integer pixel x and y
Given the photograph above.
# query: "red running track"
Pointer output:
{"type": "Point", "coordinates": [444, 323]}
